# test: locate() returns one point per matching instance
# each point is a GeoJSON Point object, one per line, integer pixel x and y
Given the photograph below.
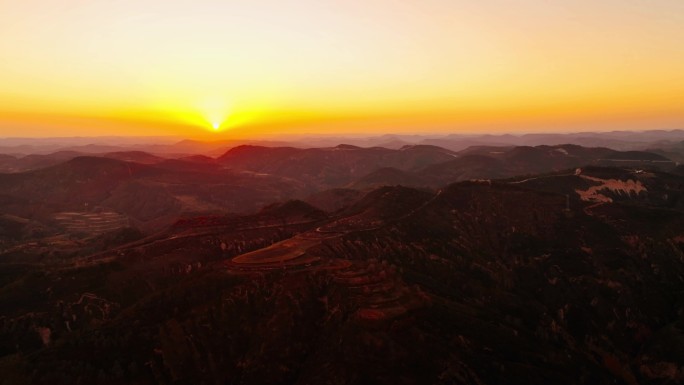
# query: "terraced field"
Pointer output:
{"type": "Point", "coordinates": [373, 289]}
{"type": "Point", "coordinates": [378, 291]}
{"type": "Point", "coordinates": [91, 222]}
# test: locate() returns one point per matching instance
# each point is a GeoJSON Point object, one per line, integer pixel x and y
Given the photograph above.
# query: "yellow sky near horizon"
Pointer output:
{"type": "Point", "coordinates": [249, 68]}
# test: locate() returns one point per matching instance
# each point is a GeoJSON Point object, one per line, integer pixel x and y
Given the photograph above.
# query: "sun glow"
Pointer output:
{"type": "Point", "coordinates": [215, 111]}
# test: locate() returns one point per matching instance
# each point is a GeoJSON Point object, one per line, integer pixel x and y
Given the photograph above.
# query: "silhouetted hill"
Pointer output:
{"type": "Point", "coordinates": [330, 167]}
{"type": "Point", "coordinates": [387, 176]}
{"type": "Point", "coordinates": [465, 167]}
{"type": "Point", "coordinates": [6, 162]}
{"type": "Point", "coordinates": [190, 164]}
{"type": "Point", "coordinates": [334, 199]}
{"type": "Point", "coordinates": [256, 158]}
{"type": "Point", "coordinates": [486, 162]}
{"type": "Point", "coordinates": [616, 140]}
{"type": "Point", "coordinates": [293, 209]}
{"type": "Point", "coordinates": [636, 155]}
{"type": "Point", "coordinates": [75, 181]}
{"type": "Point", "coordinates": [145, 193]}
{"type": "Point", "coordinates": [134, 156]}
{"type": "Point", "coordinates": [198, 159]}
{"type": "Point", "coordinates": [377, 208]}
{"type": "Point", "coordinates": [36, 161]}
{"type": "Point", "coordinates": [423, 165]}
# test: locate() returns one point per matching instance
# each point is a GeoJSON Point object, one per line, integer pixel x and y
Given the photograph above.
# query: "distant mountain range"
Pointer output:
{"type": "Point", "coordinates": [153, 190]}
{"type": "Point", "coordinates": [175, 147]}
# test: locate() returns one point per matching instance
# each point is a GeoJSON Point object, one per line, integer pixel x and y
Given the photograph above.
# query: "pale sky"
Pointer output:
{"type": "Point", "coordinates": [153, 67]}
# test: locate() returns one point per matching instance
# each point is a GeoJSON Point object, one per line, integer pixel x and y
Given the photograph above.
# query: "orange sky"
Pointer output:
{"type": "Point", "coordinates": [164, 67]}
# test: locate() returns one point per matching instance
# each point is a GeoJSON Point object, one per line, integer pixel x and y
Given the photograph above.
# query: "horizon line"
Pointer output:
{"type": "Point", "coordinates": [347, 135]}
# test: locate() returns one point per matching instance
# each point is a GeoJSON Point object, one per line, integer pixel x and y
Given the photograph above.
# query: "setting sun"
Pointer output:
{"type": "Point", "coordinates": [215, 111]}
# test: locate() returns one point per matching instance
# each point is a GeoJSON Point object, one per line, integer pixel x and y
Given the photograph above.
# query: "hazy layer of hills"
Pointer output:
{"type": "Point", "coordinates": [619, 140]}
{"type": "Point", "coordinates": [153, 191]}
{"type": "Point", "coordinates": [520, 263]}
